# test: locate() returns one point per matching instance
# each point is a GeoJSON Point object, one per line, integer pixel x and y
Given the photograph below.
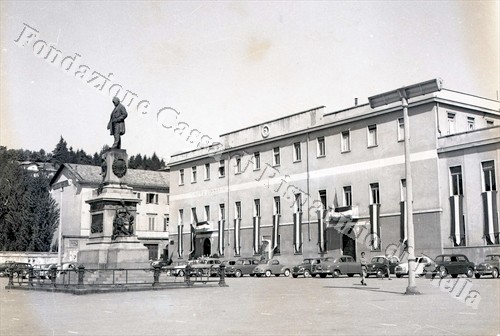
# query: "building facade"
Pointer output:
{"type": "Point", "coordinates": [329, 183]}
{"type": "Point", "coordinates": [152, 219]}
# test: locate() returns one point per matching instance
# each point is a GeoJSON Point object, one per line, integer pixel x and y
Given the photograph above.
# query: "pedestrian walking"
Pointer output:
{"type": "Point", "coordinates": [387, 269]}
{"type": "Point", "coordinates": [364, 268]}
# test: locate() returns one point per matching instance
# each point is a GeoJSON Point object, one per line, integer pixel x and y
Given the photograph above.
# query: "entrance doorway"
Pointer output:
{"type": "Point", "coordinates": [207, 247]}
{"type": "Point", "coordinates": [349, 244]}
{"type": "Point", "coordinates": [153, 251]}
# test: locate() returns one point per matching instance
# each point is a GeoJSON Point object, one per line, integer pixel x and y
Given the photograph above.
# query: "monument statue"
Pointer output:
{"type": "Point", "coordinates": [123, 223]}
{"type": "Point", "coordinates": [116, 123]}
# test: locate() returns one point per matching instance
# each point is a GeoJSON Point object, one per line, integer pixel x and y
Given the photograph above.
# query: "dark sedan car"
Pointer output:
{"type": "Point", "coordinates": [489, 266]}
{"type": "Point", "coordinates": [241, 267]}
{"type": "Point", "coordinates": [377, 265]}
{"type": "Point", "coordinates": [335, 267]}
{"type": "Point", "coordinates": [305, 268]}
{"type": "Point", "coordinates": [453, 264]}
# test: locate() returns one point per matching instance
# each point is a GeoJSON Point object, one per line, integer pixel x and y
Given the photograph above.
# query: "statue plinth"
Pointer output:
{"type": "Point", "coordinates": [112, 242]}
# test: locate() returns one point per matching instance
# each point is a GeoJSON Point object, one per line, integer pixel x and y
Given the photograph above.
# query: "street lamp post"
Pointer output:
{"type": "Point", "coordinates": [402, 95]}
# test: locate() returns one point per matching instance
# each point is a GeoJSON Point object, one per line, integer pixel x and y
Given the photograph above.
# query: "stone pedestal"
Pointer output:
{"type": "Point", "coordinates": [108, 247]}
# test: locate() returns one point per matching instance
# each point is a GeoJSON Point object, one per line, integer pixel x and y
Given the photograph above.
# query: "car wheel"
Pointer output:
{"type": "Point", "coordinates": [380, 273]}
{"type": "Point", "coordinates": [336, 274]}
{"type": "Point", "coordinates": [286, 273]}
{"type": "Point", "coordinates": [454, 275]}
{"type": "Point", "coordinates": [470, 272]}
{"type": "Point", "coordinates": [494, 274]}
{"type": "Point", "coordinates": [398, 275]}
{"type": "Point", "coordinates": [181, 273]}
{"type": "Point", "coordinates": [268, 273]}
{"type": "Point", "coordinates": [237, 273]}
{"type": "Point", "coordinates": [350, 275]}
{"type": "Point", "coordinates": [322, 275]}
{"type": "Point", "coordinates": [259, 275]}
{"type": "Point", "coordinates": [477, 275]}
{"type": "Point", "coordinates": [367, 275]}
{"type": "Point", "coordinates": [307, 274]}
{"type": "Point", "coordinates": [294, 275]}
{"type": "Point", "coordinates": [15, 274]}
{"type": "Point", "coordinates": [252, 274]}
{"type": "Point", "coordinates": [443, 272]}
{"type": "Point", "coordinates": [313, 275]}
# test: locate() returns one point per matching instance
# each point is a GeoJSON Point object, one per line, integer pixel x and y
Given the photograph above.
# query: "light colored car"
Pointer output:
{"type": "Point", "coordinates": [402, 268]}
{"type": "Point", "coordinates": [270, 267]}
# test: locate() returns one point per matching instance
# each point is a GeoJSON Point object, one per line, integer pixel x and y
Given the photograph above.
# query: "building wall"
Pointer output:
{"type": "Point", "coordinates": [358, 168]}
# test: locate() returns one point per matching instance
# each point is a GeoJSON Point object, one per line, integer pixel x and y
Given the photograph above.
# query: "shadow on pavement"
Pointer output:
{"type": "Point", "coordinates": [365, 288]}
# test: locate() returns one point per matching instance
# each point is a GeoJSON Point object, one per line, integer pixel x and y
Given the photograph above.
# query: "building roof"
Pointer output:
{"type": "Point", "coordinates": [138, 178]}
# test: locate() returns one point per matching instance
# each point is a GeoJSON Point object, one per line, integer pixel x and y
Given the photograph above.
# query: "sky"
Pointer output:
{"type": "Point", "coordinates": [208, 68]}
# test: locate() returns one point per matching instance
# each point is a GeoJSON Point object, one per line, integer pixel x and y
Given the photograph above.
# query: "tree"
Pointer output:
{"type": "Point", "coordinates": [61, 154]}
{"type": "Point", "coordinates": [28, 213]}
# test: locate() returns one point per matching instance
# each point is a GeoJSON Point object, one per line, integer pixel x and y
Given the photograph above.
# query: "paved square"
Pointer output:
{"type": "Point", "coordinates": [257, 306]}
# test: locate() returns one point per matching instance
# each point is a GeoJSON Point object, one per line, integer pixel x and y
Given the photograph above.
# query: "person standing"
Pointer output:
{"type": "Point", "coordinates": [387, 268]}
{"type": "Point", "coordinates": [116, 124]}
{"type": "Point", "coordinates": [364, 268]}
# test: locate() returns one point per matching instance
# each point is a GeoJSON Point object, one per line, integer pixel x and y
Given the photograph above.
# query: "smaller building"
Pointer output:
{"type": "Point", "coordinates": [151, 187]}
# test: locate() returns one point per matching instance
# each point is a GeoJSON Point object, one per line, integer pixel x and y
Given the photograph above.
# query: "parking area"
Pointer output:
{"type": "Point", "coordinates": [260, 306]}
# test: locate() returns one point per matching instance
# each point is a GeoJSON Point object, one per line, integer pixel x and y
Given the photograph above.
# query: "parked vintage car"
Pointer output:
{"type": "Point", "coordinates": [421, 262]}
{"type": "Point", "coordinates": [305, 268]}
{"type": "Point", "coordinates": [206, 267]}
{"type": "Point", "coordinates": [241, 266]}
{"type": "Point", "coordinates": [377, 265]}
{"type": "Point", "coordinates": [270, 267]}
{"type": "Point", "coordinates": [335, 267]}
{"type": "Point", "coordinates": [19, 269]}
{"type": "Point", "coordinates": [489, 266]}
{"type": "Point", "coordinates": [453, 264]}
{"type": "Point", "coordinates": [176, 268]}
{"type": "Point", "coordinates": [4, 266]}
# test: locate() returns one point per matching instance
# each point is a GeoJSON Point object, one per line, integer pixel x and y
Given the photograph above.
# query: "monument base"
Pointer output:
{"type": "Point", "coordinates": [123, 252]}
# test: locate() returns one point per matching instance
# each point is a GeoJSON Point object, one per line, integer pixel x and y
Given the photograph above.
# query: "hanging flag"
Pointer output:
{"type": "Point", "coordinates": [276, 224]}
{"type": "Point", "coordinates": [237, 224]}
{"type": "Point", "coordinates": [490, 216]}
{"type": "Point", "coordinates": [193, 239]}
{"type": "Point", "coordinates": [297, 231]}
{"type": "Point", "coordinates": [403, 223]}
{"type": "Point", "coordinates": [457, 221]}
{"type": "Point", "coordinates": [256, 235]}
{"type": "Point", "coordinates": [375, 225]}
{"type": "Point", "coordinates": [321, 230]}
{"type": "Point", "coordinates": [180, 248]}
{"type": "Point", "coordinates": [221, 237]}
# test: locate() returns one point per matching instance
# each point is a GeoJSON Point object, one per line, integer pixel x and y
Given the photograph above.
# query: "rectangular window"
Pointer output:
{"type": "Point", "coordinates": [277, 205]}
{"type": "Point", "coordinates": [490, 123]}
{"type": "Point", "coordinates": [168, 199]}
{"type": "Point", "coordinates": [456, 180]}
{"type": "Point", "coordinates": [276, 156]}
{"type": "Point", "coordinates": [298, 203]}
{"type": "Point", "coordinates": [256, 160]}
{"type": "Point", "coordinates": [374, 193]}
{"type": "Point", "coordinates": [193, 175]}
{"type": "Point", "coordinates": [489, 183]}
{"type": "Point", "coordinates": [256, 208]}
{"type": "Point", "coordinates": [151, 223]}
{"type": "Point", "coordinates": [222, 212]}
{"type": "Point", "coordinates": [222, 168]}
{"type": "Point", "coordinates": [320, 147]}
{"type": "Point", "coordinates": [470, 123]}
{"type": "Point", "coordinates": [237, 165]}
{"type": "Point", "coordinates": [166, 223]}
{"type": "Point", "coordinates": [151, 198]}
{"type": "Point", "coordinates": [401, 129]}
{"type": "Point", "coordinates": [207, 213]}
{"type": "Point", "coordinates": [345, 141]}
{"type": "Point", "coordinates": [194, 217]}
{"type": "Point", "coordinates": [347, 196]}
{"type": "Point", "coordinates": [181, 216]}
{"type": "Point", "coordinates": [139, 195]}
{"type": "Point", "coordinates": [237, 210]}
{"type": "Point", "coordinates": [322, 198]}
{"type": "Point", "coordinates": [207, 171]}
{"type": "Point", "coordinates": [372, 135]}
{"type": "Point", "coordinates": [403, 190]}
{"type": "Point", "coordinates": [451, 123]}
{"type": "Point", "coordinates": [181, 176]}
{"type": "Point", "coordinates": [297, 155]}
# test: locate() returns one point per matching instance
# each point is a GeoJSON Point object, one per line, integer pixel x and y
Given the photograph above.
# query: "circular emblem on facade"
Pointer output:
{"type": "Point", "coordinates": [265, 131]}
{"type": "Point", "coordinates": [119, 167]}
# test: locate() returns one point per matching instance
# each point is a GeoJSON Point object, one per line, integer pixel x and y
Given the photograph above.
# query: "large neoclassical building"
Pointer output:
{"type": "Point", "coordinates": [327, 183]}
